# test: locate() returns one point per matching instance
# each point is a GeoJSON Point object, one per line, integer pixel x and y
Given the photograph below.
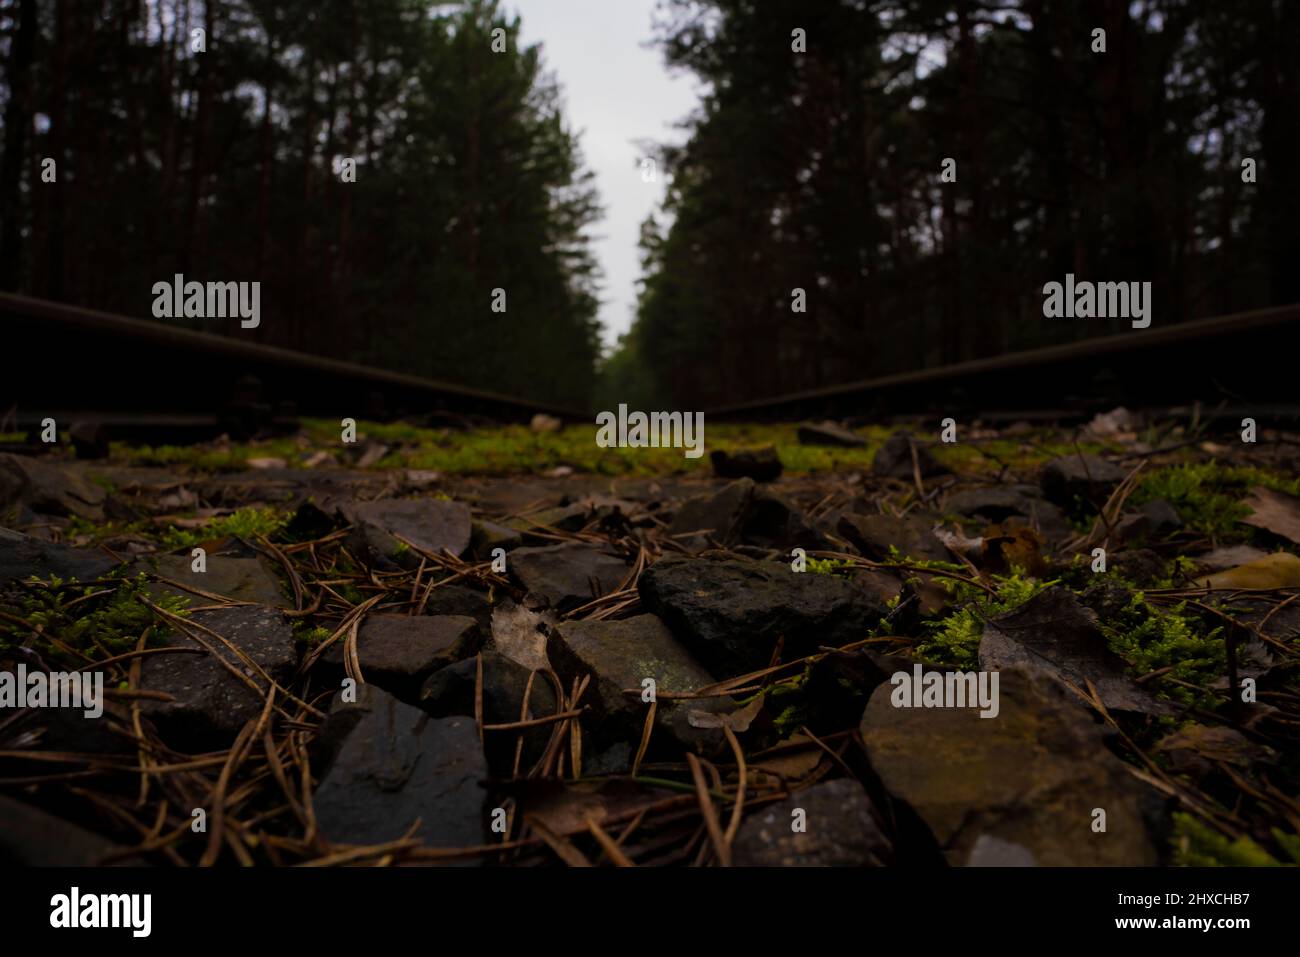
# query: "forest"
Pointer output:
{"type": "Point", "coordinates": [228, 165]}
{"type": "Point", "coordinates": [823, 172]}
{"type": "Point", "coordinates": [866, 186]}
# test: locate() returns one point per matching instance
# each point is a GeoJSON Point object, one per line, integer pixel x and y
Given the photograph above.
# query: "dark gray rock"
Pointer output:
{"type": "Point", "coordinates": [48, 489]}
{"type": "Point", "coordinates": [232, 576]}
{"type": "Point", "coordinates": [829, 433]}
{"type": "Point", "coordinates": [486, 536]}
{"type": "Point", "coordinates": [395, 765]}
{"type": "Point", "coordinates": [567, 575]}
{"type": "Point", "coordinates": [621, 655]}
{"type": "Point", "coordinates": [1054, 633]}
{"type": "Point", "coordinates": [894, 459]}
{"type": "Point", "coordinates": [398, 652]}
{"type": "Point", "coordinates": [774, 523]}
{"type": "Point", "coordinates": [22, 556]}
{"type": "Point", "coordinates": [730, 613]}
{"type": "Point", "coordinates": [450, 691]}
{"type": "Point", "coordinates": [32, 838]}
{"type": "Point", "coordinates": [458, 600]}
{"type": "Point", "coordinates": [1032, 776]}
{"type": "Point", "coordinates": [842, 831]}
{"type": "Point", "coordinates": [1140, 565]}
{"type": "Point", "coordinates": [872, 535]}
{"type": "Point", "coordinates": [89, 440]}
{"type": "Point", "coordinates": [743, 512]}
{"type": "Point", "coordinates": [761, 465]}
{"type": "Point", "coordinates": [1087, 478]}
{"type": "Point", "coordinates": [211, 703]}
{"type": "Point", "coordinates": [430, 524]}
{"type": "Point", "coordinates": [998, 503]}
{"type": "Point", "coordinates": [720, 515]}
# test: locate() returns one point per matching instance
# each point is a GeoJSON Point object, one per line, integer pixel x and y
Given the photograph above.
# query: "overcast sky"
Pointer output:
{"type": "Point", "coordinates": [616, 92]}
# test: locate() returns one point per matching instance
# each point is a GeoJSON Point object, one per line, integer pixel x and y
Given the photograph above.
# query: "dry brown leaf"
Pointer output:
{"type": "Point", "coordinates": [1274, 512]}
{"type": "Point", "coordinates": [518, 633]}
{"type": "Point", "coordinates": [738, 720]}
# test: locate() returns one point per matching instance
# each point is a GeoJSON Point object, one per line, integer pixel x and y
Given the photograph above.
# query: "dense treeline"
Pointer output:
{"type": "Point", "coordinates": [228, 165]}
{"type": "Point", "coordinates": [822, 171]}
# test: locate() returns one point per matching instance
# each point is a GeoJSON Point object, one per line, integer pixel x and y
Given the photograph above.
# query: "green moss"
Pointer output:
{"type": "Point", "coordinates": [955, 639]}
{"type": "Point", "coordinates": [991, 456]}
{"type": "Point", "coordinates": [245, 523]}
{"type": "Point", "coordinates": [108, 624]}
{"type": "Point", "coordinates": [514, 449]}
{"type": "Point", "coordinates": [1209, 496]}
{"type": "Point", "coordinates": [309, 634]}
{"type": "Point", "coordinates": [1198, 845]}
{"type": "Point", "coordinates": [1149, 638]}
{"type": "Point", "coordinates": [828, 566]}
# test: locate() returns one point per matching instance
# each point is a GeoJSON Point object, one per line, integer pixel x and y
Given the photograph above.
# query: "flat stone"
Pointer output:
{"type": "Point", "coordinates": [430, 524]}
{"type": "Point", "coordinates": [998, 503]}
{"type": "Point", "coordinates": [894, 459]}
{"type": "Point", "coordinates": [252, 579]}
{"type": "Point", "coordinates": [761, 465]}
{"type": "Point", "coordinates": [450, 691]}
{"type": "Point", "coordinates": [1231, 556]}
{"type": "Point", "coordinates": [872, 535]}
{"type": "Point", "coordinates": [1087, 478]}
{"type": "Point", "coordinates": [774, 523]}
{"type": "Point", "coordinates": [720, 515]}
{"type": "Point", "coordinates": [393, 765]}
{"type": "Point", "coordinates": [621, 655]}
{"type": "Point", "coordinates": [1031, 777]}
{"type": "Point", "coordinates": [730, 613]}
{"type": "Point", "coordinates": [48, 489]}
{"type": "Point", "coordinates": [89, 440]}
{"type": "Point", "coordinates": [829, 433]}
{"type": "Point", "coordinates": [32, 838]}
{"type": "Point", "coordinates": [459, 600]}
{"type": "Point", "coordinates": [842, 831]}
{"type": "Point", "coordinates": [1055, 634]}
{"type": "Point", "coordinates": [211, 703]}
{"type": "Point", "coordinates": [398, 652]}
{"type": "Point", "coordinates": [22, 556]}
{"type": "Point", "coordinates": [486, 536]}
{"type": "Point", "coordinates": [567, 575]}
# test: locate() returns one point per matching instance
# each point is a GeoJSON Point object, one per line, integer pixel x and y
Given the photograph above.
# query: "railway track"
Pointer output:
{"type": "Point", "coordinates": [1245, 362]}
{"type": "Point", "coordinates": [153, 381]}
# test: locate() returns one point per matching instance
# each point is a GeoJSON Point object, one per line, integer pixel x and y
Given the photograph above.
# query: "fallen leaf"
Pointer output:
{"type": "Point", "coordinates": [268, 462]}
{"type": "Point", "coordinates": [738, 720]}
{"type": "Point", "coordinates": [1196, 747]}
{"type": "Point", "coordinates": [1274, 512]}
{"type": "Point", "coordinates": [1054, 633]}
{"type": "Point", "coordinates": [1012, 546]}
{"type": "Point", "coordinates": [958, 543]}
{"type": "Point", "coordinates": [795, 764]}
{"type": "Point", "coordinates": [1279, 570]}
{"type": "Point", "coordinates": [519, 634]}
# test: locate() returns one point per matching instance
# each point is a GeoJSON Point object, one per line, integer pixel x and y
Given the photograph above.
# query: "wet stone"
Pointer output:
{"type": "Point", "coordinates": [394, 765]}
